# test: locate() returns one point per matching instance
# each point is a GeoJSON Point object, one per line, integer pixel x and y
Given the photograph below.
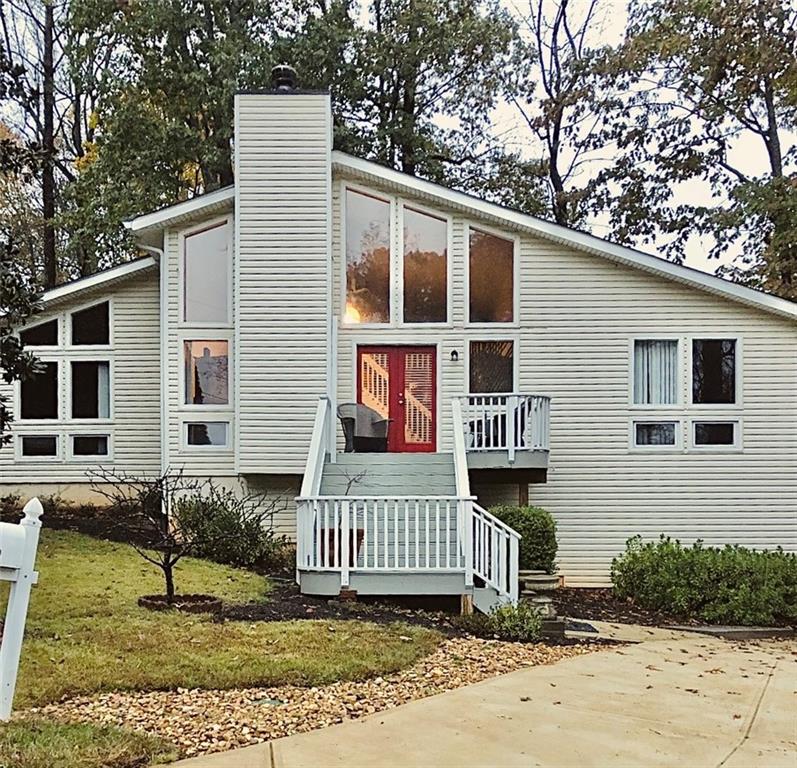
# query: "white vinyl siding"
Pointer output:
{"type": "Point", "coordinates": [134, 429]}
{"type": "Point", "coordinates": [283, 171]}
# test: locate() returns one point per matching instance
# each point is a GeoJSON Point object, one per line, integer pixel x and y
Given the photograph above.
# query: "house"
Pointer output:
{"type": "Point", "coordinates": [516, 360]}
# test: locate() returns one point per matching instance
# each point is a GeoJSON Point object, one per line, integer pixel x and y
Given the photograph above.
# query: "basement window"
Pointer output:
{"type": "Point", "coordinates": [39, 446]}
{"type": "Point", "coordinates": [39, 394]}
{"type": "Point", "coordinates": [91, 395]}
{"type": "Point", "coordinates": [91, 326]}
{"type": "Point", "coordinates": [42, 335]}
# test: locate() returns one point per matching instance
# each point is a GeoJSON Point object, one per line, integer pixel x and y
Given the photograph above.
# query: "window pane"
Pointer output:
{"type": "Point", "coordinates": [655, 372]}
{"type": "Point", "coordinates": [44, 334]}
{"type": "Point", "coordinates": [40, 445]}
{"type": "Point", "coordinates": [491, 278]}
{"type": "Point", "coordinates": [39, 395]}
{"type": "Point", "coordinates": [367, 259]}
{"type": "Point", "coordinates": [714, 371]}
{"type": "Point", "coordinates": [206, 372]}
{"type": "Point", "coordinates": [655, 434]}
{"type": "Point", "coordinates": [207, 433]}
{"type": "Point", "coordinates": [91, 396]}
{"type": "Point", "coordinates": [91, 326]}
{"type": "Point", "coordinates": [206, 276]}
{"type": "Point", "coordinates": [707, 433]}
{"type": "Point", "coordinates": [425, 255]}
{"type": "Point", "coordinates": [90, 445]}
{"type": "Point", "coordinates": [491, 366]}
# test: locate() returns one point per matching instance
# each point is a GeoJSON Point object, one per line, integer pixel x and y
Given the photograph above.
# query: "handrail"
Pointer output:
{"type": "Point", "coordinates": [460, 454]}
{"type": "Point", "coordinates": [496, 553]}
{"type": "Point", "coordinates": [314, 466]}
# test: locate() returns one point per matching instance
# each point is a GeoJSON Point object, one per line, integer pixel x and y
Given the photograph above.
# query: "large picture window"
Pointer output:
{"type": "Point", "coordinates": [206, 372]}
{"type": "Point", "coordinates": [367, 259]}
{"type": "Point", "coordinates": [206, 272]}
{"type": "Point", "coordinates": [425, 268]}
{"type": "Point", "coordinates": [39, 394]}
{"type": "Point", "coordinates": [492, 366]}
{"type": "Point", "coordinates": [713, 371]}
{"type": "Point", "coordinates": [655, 372]}
{"type": "Point", "coordinates": [491, 278]}
{"type": "Point", "coordinates": [91, 390]}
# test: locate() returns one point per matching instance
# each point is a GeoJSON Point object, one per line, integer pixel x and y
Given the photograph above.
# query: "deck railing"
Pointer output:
{"type": "Point", "coordinates": [381, 533]}
{"type": "Point", "coordinates": [506, 422]}
{"type": "Point", "coordinates": [495, 553]}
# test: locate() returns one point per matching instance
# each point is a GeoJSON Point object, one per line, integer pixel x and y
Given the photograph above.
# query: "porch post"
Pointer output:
{"type": "Point", "coordinates": [511, 421]}
{"type": "Point", "coordinates": [514, 586]}
{"type": "Point", "coordinates": [345, 541]}
{"type": "Point", "coordinates": [467, 513]}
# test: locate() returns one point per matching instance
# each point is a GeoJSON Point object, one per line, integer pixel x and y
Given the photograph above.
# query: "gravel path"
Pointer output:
{"type": "Point", "coordinates": [200, 722]}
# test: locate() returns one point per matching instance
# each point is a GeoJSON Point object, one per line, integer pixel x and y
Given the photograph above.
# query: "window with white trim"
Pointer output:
{"type": "Point", "coordinates": [41, 335]}
{"type": "Point", "coordinates": [206, 276]}
{"type": "Point", "coordinates": [213, 434]}
{"type": "Point", "coordinates": [91, 326]}
{"type": "Point", "coordinates": [492, 366]}
{"type": "Point", "coordinates": [207, 372]}
{"type": "Point", "coordinates": [425, 267]}
{"type": "Point", "coordinates": [650, 434]}
{"type": "Point", "coordinates": [714, 371]}
{"type": "Point", "coordinates": [491, 277]}
{"type": "Point", "coordinates": [715, 433]}
{"type": "Point", "coordinates": [655, 372]}
{"type": "Point", "coordinates": [38, 446]}
{"type": "Point", "coordinates": [38, 395]}
{"type": "Point", "coordinates": [90, 445]}
{"type": "Point", "coordinates": [91, 389]}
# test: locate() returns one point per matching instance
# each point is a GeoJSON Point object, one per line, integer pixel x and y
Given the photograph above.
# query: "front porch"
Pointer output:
{"type": "Point", "coordinates": [407, 524]}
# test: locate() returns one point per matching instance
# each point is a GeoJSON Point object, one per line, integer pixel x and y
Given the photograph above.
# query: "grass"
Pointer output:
{"type": "Point", "coordinates": [85, 633]}
{"type": "Point", "coordinates": [39, 744]}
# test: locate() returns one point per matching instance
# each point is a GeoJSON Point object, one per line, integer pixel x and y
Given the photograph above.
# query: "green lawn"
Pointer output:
{"type": "Point", "coordinates": [85, 634]}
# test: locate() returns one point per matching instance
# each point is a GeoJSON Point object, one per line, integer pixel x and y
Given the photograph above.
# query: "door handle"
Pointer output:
{"type": "Point", "coordinates": [401, 399]}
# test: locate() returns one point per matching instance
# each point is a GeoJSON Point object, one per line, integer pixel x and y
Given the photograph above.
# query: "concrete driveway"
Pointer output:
{"type": "Point", "coordinates": [673, 700]}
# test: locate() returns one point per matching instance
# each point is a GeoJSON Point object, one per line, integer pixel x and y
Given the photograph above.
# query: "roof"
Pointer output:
{"type": "Point", "coordinates": [369, 171]}
{"type": "Point", "coordinates": [104, 279]}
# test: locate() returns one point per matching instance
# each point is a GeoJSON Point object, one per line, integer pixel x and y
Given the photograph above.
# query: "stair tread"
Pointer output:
{"type": "Point", "coordinates": [390, 474]}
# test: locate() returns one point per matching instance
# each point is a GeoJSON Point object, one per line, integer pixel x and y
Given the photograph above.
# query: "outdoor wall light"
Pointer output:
{"type": "Point", "coordinates": [454, 356]}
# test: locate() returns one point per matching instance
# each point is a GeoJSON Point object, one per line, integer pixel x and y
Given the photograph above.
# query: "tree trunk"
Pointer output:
{"type": "Point", "coordinates": [168, 573]}
{"type": "Point", "coordinates": [48, 147]}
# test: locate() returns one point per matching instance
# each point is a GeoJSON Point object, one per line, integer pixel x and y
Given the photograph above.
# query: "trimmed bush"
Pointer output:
{"type": "Point", "coordinates": [521, 623]}
{"type": "Point", "coordinates": [730, 585]}
{"type": "Point", "coordinates": [538, 529]}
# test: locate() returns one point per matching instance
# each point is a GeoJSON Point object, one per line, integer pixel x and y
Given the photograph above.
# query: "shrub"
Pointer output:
{"type": "Point", "coordinates": [517, 623]}
{"type": "Point", "coordinates": [538, 529]}
{"type": "Point", "coordinates": [231, 529]}
{"type": "Point", "coordinates": [730, 585]}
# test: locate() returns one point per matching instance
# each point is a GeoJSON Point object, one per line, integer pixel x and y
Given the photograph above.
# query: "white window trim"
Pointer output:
{"type": "Point", "coordinates": [182, 235]}
{"type": "Point", "coordinates": [402, 204]}
{"type": "Point", "coordinates": [92, 459]}
{"type": "Point", "coordinates": [735, 447]}
{"type": "Point", "coordinates": [67, 404]}
{"type": "Point", "coordinates": [725, 407]}
{"type": "Point", "coordinates": [677, 447]}
{"type": "Point", "coordinates": [395, 312]}
{"type": "Point", "coordinates": [186, 446]}
{"type": "Point", "coordinates": [45, 348]}
{"type": "Point", "coordinates": [18, 456]}
{"type": "Point", "coordinates": [469, 224]}
{"type": "Point", "coordinates": [208, 335]}
{"type": "Point", "coordinates": [88, 349]}
{"type": "Point", "coordinates": [515, 339]}
{"type": "Point", "coordinates": [679, 402]}
{"type": "Point", "coordinates": [60, 400]}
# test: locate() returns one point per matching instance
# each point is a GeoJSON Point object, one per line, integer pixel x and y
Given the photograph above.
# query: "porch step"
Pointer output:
{"type": "Point", "coordinates": [389, 474]}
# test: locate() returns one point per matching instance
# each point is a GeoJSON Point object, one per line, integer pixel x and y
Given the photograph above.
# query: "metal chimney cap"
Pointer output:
{"type": "Point", "coordinates": [283, 78]}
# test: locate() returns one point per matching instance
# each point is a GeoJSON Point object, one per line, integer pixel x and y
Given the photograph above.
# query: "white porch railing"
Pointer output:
{"type": "Point", "coordinates": [381, 533]}
{"type": "Point", "coordinates": [495, 553]}
{"type": "Point", "coordinates": [321, 444]}
{"type": "Point", "coordinates": [506, 422]}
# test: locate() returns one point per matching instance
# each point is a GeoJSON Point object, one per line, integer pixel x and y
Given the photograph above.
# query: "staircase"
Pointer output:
{"type": "Point", "coordinates": [389, 474]}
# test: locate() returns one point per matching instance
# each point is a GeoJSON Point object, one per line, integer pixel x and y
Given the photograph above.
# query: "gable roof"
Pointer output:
{"type": "Point", "coordinates": [365, 170]}
{"type": "Point", "coordinates": [103, 279]}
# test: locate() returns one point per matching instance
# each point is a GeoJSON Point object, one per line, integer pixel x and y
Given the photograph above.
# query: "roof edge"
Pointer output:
{"type": "Point", "coordinates": [156, 219]}
{"type": "Point", "coordinates": [577, 239]}
{"type": "Point", "coordinates": [112, 275]}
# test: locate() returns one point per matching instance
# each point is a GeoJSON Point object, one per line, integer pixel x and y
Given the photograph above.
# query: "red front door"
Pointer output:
{"type": "Point", "coordinates": [400, 383]}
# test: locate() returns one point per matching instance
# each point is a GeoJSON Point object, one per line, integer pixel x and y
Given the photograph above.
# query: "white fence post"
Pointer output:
{"type": "Point", "coordinates": [467, 513]}
{"type": "Point", "coordinates": [17, 559]}
{"type": "Point", "coordinates": [514, 554]}
{"type": "Point", "coordinates": [345, 541]}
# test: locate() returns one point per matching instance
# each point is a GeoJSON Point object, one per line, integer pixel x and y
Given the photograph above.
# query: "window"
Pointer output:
{"type": "Point", "coordinates": [367, 259]}
{"type": "Point", "coordinates": [210, 433]}
{"type": "Point", "coordinates": [39, 445]}
{"type": "Point", "coordinates": [655, 372]}
{"type": "Point", "coordinates": [425, 268]}
{"type": "Point", "coordinates": [91, 326]}
{"type": "Point", "coordinates": [206, 372]}
{"type": "Point", "coordinates": [491, 265]}
{"type": "Point", "coordinates": [654, 433]}
{"type": "Point", "coordinates": [492, 367]}
{"type": "Point", "coordinates": [713, 371]}
{"type": "Point", "coordinates": [89, 445]}
{"type": "Point", "coordinates": [714, 433]}
{"type": "Point", "coordinates": [206, 276]}
{"type": "Point", "coordinates": [39, 394]}
{"type": "Point", "coordinates": [91, 390]}
{"type": "Point", "coordinates": [42, 335]}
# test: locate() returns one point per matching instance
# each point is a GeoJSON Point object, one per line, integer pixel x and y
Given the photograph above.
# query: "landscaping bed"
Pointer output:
{"type": "Point", "coordinates": [203, 721]}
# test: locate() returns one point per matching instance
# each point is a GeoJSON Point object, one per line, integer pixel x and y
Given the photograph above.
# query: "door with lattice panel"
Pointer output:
{"type": "Point", "coordinates": [401, 384]}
